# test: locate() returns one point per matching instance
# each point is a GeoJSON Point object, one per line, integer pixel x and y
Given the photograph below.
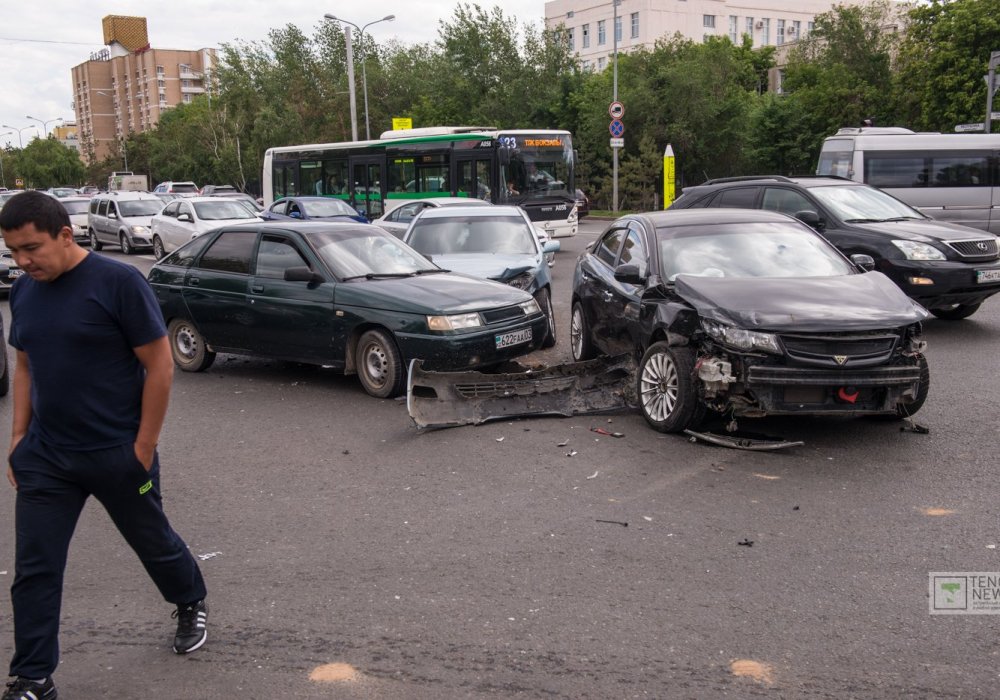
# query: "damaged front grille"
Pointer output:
{"type": "Point", "coordinates": [850, 350]}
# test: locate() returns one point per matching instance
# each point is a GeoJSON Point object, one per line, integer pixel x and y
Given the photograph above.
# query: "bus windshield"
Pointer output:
{"type": "Point", "coordinates": [536, 167]}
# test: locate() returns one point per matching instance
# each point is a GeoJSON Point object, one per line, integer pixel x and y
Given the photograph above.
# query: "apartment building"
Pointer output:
{"type": "Point", "coordinates": [128, 85]}
{"type": "Point", "coordinates": [67, 134]}
{"type": "Point", "coordinates": [593, 29]}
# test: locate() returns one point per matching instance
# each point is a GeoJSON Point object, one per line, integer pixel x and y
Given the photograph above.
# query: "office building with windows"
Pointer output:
{"type": "Point", "coordinates": [591, 29]}
{"type": "Point", "coordinates": [126, 86]}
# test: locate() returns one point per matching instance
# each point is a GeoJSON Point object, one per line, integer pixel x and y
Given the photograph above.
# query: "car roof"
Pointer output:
{"type": "Point", "coordinates": [802, 180]}
{"type": "Point", "coordinates": [309, 227]}
{"type": "Point", "coordinates": [696, 217]}
{"type": "Point", "coordinates": [473, 210]}
{"type": "Point", "coordinates": [125, 194]}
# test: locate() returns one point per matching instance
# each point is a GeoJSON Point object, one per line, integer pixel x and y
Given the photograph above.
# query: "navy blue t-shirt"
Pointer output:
{"type": "Point", "coordinates": [78, 331]}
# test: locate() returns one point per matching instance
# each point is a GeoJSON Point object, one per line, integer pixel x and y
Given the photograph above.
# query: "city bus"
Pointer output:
{"type": "Point", "coordinates": [531, 168]}
{"type": "Point", "coordinates": [951, 177]}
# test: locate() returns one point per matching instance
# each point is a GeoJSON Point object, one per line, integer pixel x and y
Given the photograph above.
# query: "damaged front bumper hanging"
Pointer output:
{"type": "Point", "coordinates": [446, 399]}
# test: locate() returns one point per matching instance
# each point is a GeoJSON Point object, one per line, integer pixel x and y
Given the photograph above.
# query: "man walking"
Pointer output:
{"type": "Point", "coordinates": [91, 386]}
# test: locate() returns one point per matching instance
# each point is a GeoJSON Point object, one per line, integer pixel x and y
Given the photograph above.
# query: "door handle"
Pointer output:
{"type": "Point", "coordinates": [194, 281]}
{"type": "Point", "coordinates": [256, 288]}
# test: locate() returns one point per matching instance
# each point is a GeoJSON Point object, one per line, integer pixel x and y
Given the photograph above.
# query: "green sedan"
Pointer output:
{"type": "Point", "coordinates": [346, 295]}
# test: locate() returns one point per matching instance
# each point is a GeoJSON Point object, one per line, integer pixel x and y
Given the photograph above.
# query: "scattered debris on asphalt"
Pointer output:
{"type": "Point", "coordinates": [209, 555]}
{"type": "Point", "coordinates": [911, 426]}
{"type": "Point", "coordinates": [745, 543]}
{"type": "Point", "coordinates": [602, 431]}
{"type": "Point", "coordinates": [593, 476]}
{"type": "Point", "coordinates": [612, 522]}
{"type": "Point", "coordinates": [571, 454]}
{"type": "Point", "coordinates": [758, 443]}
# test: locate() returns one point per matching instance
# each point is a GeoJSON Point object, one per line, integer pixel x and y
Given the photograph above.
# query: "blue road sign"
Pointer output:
{"type": "Point", "coordinates": [616, 127]}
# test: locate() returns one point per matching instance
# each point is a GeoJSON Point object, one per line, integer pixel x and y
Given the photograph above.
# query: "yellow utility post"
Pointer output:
{"type": "Point", "coordinates": [669, 177]}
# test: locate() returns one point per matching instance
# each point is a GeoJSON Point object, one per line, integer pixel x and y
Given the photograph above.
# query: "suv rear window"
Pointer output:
{"type": "Point", "coordinates": [183, 187]}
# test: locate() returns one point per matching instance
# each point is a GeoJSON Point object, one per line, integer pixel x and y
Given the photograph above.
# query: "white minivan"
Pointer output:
{"type": "Point", "coordinates": [950, 177]}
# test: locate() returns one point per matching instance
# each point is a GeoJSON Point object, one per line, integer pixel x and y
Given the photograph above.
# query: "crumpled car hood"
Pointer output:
{"type": "Point", "coordinates": [494, 266]}
{"type": "Point", "coordinates": [867, 301]}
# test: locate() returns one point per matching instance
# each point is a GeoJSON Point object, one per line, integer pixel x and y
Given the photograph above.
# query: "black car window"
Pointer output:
{"type": "Point", "coordinates": [275, 255]}
{"type": "Point", "coordinates": [94, 203]}
{"type": "Point", "coordinates": [185, 255]}
{"type": "Point", "coordinates": [171, 209]}
{"type": "Point", "coordinates": [735, 198]}
{"type": "Point", "coordinates": [786, 201]}
{"type": "Point", "coordinates": [407, 212]}
{"type": "Point", "coordinates": [607, 248]}
{"type": "Point", "coordinates": [112, 208]}
{"type": "Point", "coordinates": [279, 207]}
{"type": "Point", "coordinates": [103, 208]}
{"type": "Point", "coordinates": [634, 251]}
{"type": "Point", "coordinates": [231, 252]}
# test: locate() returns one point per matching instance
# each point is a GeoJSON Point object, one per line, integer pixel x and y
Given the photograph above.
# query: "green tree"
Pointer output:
{"type": "Point", "coordinates": [48, 163]}
{"type": "Point", "coordinates": [942, 61]}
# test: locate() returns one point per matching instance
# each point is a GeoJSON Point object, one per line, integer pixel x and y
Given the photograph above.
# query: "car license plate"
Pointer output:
{"type": "Point", "coordinates": [506, 340]}
{"type": "Point", "coordinates": [983, 276]}
{"type": "Point", "coordinates": [15, 273]}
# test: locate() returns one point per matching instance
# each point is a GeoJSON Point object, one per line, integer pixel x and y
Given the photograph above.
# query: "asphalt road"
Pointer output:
{"type": "Point", "coordinates": [338, 542]}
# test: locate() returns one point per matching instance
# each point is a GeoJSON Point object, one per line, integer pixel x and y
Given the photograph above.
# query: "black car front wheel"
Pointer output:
{"type": "Point", "coordinates": [188, 346]}
{"type": "Point", "coordinates": [667, 395]}
{"type": "Point", "coordinates": [380, 367]}
{"type": "Point", "coordinates": [544, 300]}
{"type": "Point", "coordinates": [579, 335]}
{"type": "Point", "coordinates": [125, 243]}
{"type": "Point", "coordinates": [94, 243]}
{"type": "Point", "coordinates": [956, 312]}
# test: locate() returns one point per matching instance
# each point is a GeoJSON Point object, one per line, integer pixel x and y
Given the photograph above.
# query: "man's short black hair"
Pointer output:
{"type": "Point", "coordinates": [32, 207]}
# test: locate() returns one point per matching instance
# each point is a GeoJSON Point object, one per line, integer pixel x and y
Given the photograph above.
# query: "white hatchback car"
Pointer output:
{"type": "Point", "coordinates": [184, 219]}
{"type": "Point", "coordinates": [398, 220]}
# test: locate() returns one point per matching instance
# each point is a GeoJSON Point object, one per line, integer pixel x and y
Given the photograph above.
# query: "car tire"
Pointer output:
{"type": "Point", "coordinates": [665, 384]}
{"type": "Point", "coordinates": [956, 312]}
{"type": "Point", "coordinates": [5, 377]}
{"type": "Point", "coordinates": [581, 345]}
{"type": "Point", "coordinates": [125, 244]}
{"type": "Point", "coordinates": [158, 251]}
{"type": "Point", "coordinates": [544, 300]}
{"type": "Point", "coordinates": [905, 410]}
{"type": "Point", "coordinates": [379, 364]}
{"type": "Point", "coordinates": [188, 346]}
{"type": "Point", "coordinates": [94, 243]}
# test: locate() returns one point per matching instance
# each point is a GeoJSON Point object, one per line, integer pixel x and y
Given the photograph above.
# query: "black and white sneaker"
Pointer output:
{"type": "Point", "coordinates": [191, 627]}
{"type": "Point", "coordinates": [24, 689]}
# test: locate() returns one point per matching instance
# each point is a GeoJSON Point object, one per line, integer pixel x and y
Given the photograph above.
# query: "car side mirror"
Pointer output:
{"type": "Point", "coordinates": [811, 219]}
{"type": "Point", "coordinates": [551, 247]}
{"type": "Point", "coordinates": [629, 274]}
{"type": "Point", "coordinates": [301, 274]}
{"type": "Point", "coordinates": [184, 217]}
{"type": "Point", "coordinates": [865, 262]}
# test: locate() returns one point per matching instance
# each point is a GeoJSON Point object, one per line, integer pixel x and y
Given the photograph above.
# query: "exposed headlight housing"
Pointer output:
{"type": "Point", "coordinates": [919, 251]}
{"type": "Point", "coordinates": [522, 281]}
{"type": "Point", "coordinates": [454, 323]}
{"type": "Point", "coordinates": [531, 307]}
{"type": "Point", "coordinates": [741, 339]}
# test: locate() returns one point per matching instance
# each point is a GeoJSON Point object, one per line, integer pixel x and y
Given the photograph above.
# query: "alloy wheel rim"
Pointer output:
{"type": "Point", "coordinates": [659, 387]}
{"type": "Point", "coordinates": [576, 334]}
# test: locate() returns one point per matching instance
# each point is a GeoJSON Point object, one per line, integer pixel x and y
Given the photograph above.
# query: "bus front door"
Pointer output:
{"type": "Point", "coordinates": [366, 190]}
{"type": "Point", "coordinates": [473, 178]}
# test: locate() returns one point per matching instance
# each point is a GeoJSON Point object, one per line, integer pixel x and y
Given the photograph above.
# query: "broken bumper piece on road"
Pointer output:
{"type": "Point", "coordinates": [447, 399]}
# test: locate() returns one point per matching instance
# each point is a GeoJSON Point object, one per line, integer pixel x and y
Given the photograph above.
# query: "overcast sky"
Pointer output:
{"type": "Point", "coordinates": [41, 40]}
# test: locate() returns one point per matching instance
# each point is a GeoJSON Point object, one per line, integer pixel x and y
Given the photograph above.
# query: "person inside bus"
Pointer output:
{"type": "Point", "coordinates": [333, 186]}
{"type": "Point", "coordinates": [511, 189]}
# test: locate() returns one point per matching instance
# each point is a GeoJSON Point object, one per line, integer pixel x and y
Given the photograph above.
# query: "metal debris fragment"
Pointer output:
{"type": "Point", "coordinates": [613, 522]}
{"type": "Point", "coordinates": [602, 431]}
{"type": "Point", "coordinates": [745, 543]}
{"type": "Point", "coordinates": [738, 442]}
{"type": "Point", "coordinates": [594, 475]}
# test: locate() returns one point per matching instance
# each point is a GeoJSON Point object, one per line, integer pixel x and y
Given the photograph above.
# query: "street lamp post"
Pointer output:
{"type": "Point", "coordinates": [350, 69]}
{"type": "Point", "coordinates": [20, 140]}
{"type": "Point", "coordinates": [45, 124]}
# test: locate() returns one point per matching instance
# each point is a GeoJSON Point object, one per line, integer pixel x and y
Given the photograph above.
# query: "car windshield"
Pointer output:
{"type": "Point", "coordinates": [857, 203]}
{"type": "Point", "coordinates": [222, 209]}
{"type": "Point", "coordinates": [328, 207]}
{"type": "Point", "coordinates": [747, 250]}
{"type": "Point", "coordinates": [76, 207]}
{"type": "Point", "coordinates": [140, 207]}
{"type": "Point", "coordinates": [476, 235]}
{"type": "Point", "coordinates": [362, 253]}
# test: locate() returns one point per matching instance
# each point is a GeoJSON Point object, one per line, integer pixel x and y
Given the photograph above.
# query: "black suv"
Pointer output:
{"type": "Point", "coordinates": [948, 268]}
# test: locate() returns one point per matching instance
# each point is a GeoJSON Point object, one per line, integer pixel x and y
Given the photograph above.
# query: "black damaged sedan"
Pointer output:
{"type": "Point", "coordinates": [746, 313]}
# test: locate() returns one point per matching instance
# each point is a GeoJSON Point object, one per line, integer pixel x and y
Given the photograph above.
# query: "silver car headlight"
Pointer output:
{"type": "Point", "coordinates": [919, 251]}
{"type": "Point", "coordinates": [741, 339]}
{"type": "Point", "coordinates": [140, 230]}
{"type": "Point", "coordinates": [454, 323]}
{"type": "Point", "coordinates": [531, 307]}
